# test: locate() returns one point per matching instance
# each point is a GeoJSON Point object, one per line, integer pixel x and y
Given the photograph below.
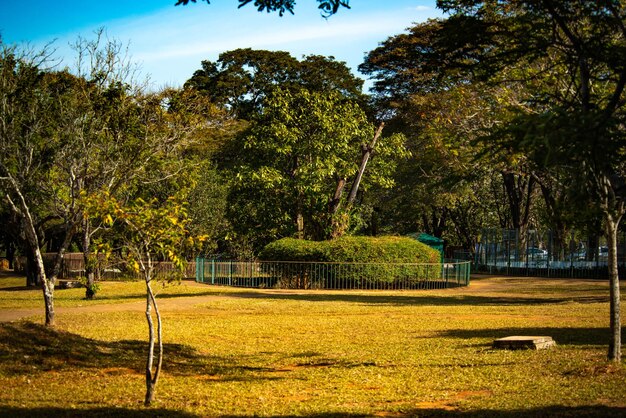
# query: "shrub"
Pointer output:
{"type": "Point", "coordinates": [390, 249]}
{"type": "Point", "coordinates": [353, 262]}
{"type": "Point", "coordinates": [291, 249]}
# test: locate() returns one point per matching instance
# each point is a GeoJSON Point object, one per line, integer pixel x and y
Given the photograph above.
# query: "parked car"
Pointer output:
{"type": "Point", "coordinates": [578, 255]}
{"type": "Point", "coordinates": [535, 253]}
{"type": "Point", "coordinates": [603, 253]}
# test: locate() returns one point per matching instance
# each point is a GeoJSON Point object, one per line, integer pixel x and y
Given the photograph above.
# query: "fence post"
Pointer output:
{"type": "Point", "coordinates": [212, 271]}
{"type": "Point", "coordinates": [230, 273]}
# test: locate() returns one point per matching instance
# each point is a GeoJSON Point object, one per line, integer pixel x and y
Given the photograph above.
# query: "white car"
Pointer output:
{"type": "Point", "coordinates": [534, 253]}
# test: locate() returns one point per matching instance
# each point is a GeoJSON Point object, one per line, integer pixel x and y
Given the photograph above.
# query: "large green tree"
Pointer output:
{"type": "Point", "coordinates": [299, 155]}
{"type": "Point", "coordinates": [29, 145]}
{"type": "Point", "coordinates": [441, 111]}
{"type": "Point", "coordinates": [240, 80]}
{"type": "Point", "coordinates": [570, 56]}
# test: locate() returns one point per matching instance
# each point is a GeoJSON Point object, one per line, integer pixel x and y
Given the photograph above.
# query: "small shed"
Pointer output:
{"type": "Point", "coordinates": [431, 241]}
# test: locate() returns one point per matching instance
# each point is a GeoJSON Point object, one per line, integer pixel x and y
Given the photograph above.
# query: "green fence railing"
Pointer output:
{"type": "Point", "coordinates": [319, 275]}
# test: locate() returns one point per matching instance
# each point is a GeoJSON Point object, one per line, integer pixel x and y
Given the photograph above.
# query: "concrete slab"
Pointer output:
{"type": "Point", "coordinates": [519, 342]}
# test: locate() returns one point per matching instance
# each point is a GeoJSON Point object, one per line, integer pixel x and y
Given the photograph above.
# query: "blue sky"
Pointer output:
{"type": "Point", "coordinates": [170, 42]}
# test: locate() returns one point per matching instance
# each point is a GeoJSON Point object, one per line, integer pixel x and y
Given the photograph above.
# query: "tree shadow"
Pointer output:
{"type": "Point", "coordinates": [6, 411]}
{"type": "Point", "coordinates": [427, 300]}
{"type": "Point", "coordinates": [27, 348]}
{"type": "Point", "coordinates": [551, 411]}
{"type": "Point", "coordinates": [19, 288]}
{"type": "Point", "coordinates": [562, 336]}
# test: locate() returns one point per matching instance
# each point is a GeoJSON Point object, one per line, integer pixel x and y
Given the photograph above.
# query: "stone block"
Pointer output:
{"type": "Point", "coordinates": [519, 342]}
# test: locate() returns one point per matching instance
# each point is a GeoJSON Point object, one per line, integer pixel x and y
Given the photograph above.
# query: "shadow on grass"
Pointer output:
{"type": "Point", "coordinates": [562, 336]}
{"type": "Point", "coordinates": [553, 411]}
{"type": "Point", "coordinates": [400, 300]}
{"type": "Point", "coordinates": [19, 288]}
{"type": "Point", "coordinates": [6, 411]}
{"type": "Point", "coordinates": [27, 348]}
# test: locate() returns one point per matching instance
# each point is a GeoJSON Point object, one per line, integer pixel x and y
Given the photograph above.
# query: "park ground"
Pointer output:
{"type": "Point", "coordinates": [243, 352]}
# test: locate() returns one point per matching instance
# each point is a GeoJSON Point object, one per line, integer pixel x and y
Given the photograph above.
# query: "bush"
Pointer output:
{"type": "Point", "coordinates": [347, 249]}
{"type": "Point", "coordinates": [291, 249]}
{"type": "Point", "coordinates": [352, 262]}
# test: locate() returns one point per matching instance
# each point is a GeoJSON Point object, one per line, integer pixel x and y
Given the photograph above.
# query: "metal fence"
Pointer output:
{"type": "Point", "coordinates": [73, 267]}
{"type": "Point", "coordinates": [545, 254]}
{"type": "Point", "coordinates": [320, 275]}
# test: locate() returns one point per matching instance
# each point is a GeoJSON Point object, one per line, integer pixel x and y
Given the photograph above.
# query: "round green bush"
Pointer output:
{"type": "Point", "coordinates": [351, 262]}
{"type": "Point", "coordinates": [350, 249]}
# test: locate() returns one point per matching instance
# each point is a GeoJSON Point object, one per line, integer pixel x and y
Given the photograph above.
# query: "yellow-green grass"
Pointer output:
{"type": "Point", "coordinates": [279, 353]}
{"type": "Point", "coordinates": [15, 294]}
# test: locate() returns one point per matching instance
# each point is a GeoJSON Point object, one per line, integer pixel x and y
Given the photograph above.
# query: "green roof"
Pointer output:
{"type": "Point", "coordinates": [426, 239]}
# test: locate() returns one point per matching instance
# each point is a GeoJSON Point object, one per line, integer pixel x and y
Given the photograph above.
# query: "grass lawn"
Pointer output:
{"type": "Point", "coordinates": [236, 352]}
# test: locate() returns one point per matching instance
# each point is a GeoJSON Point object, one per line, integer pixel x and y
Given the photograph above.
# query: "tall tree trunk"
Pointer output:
{"type": "Point", "coordinates": [555, 217]}
{"type": "Point", "coordinates": [519, 190]}
{"type": "Point", "coordinates": [339, 223]}
{"type": "Point", "coordinates": [615, 344]}
{"type": "Point", "coordinates": [434, 221]}
{"type": "Point", "coordinates": [299, 221]}
{"type": "Point", "coordinates": [335, 202]}
{"type": "Point", "coordinates": [10, 253]}
{"type": "Point", "coordinates": [88, 260]}
{"type": "Point", "coordinates": [152, 377]}
{"type": "Point", "coordinates": [32, 241]}
{"type": "Point", "coordinates": [47, 286]}
{"type": "Point", "coordinates": [367, 152]}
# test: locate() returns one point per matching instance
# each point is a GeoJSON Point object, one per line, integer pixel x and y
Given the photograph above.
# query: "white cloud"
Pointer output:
{"type": "Point", "coordinates": [170, 44]}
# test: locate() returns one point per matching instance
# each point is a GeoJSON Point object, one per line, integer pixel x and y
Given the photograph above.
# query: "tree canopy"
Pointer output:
{"type": "Point", "coordinates": [327, 7]}
{"type": "Point", "coordinates": [241, 79]}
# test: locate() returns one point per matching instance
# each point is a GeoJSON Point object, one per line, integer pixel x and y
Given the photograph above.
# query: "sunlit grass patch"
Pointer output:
{"type": "Point", "coordinates": [14, 293]}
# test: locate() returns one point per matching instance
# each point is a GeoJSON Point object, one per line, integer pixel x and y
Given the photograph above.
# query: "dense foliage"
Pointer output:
{"type": "Point", "coordinates": [352, 249]}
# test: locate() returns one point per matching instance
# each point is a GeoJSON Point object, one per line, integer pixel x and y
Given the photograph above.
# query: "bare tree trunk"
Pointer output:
{"type": "Point", "coordinates": [32, 241]}
{"type": "Point", "coordinates": [339, 224]}
{"type": "Point", "coordinates": [299, 222]}
{"type": "Point", "coordinates": [335, 202]}
{"type": "Point", "coordinates": [152, 377]}
{"type": "Point", "coordinates": [615, 344]}
{"type": "Point", "coordinates": [88, 261]}
{"type": "Point", "coordinates": [47, 286]}
{"type": "Point", "coordinates": [519, 190]}
{"type": "Point", "coordinates": [10, 253]}
{"type": "Point", "coordinates": [367, 152]}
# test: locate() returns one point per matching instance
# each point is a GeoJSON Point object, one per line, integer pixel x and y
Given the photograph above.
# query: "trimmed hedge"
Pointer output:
{"type": "Point", "coordinates": [348, 249]}
{"type": "Point", "coordinates": [352, 262]}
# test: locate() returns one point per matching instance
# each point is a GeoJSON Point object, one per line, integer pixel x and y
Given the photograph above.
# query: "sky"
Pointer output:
{"type": "Point", "coordinates": [169, 43]}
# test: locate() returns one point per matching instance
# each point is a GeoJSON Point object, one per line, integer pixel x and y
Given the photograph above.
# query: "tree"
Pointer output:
{"type": "Point", "coordinates": [150, 231]}
{"type": "Point", "coordinates": [242, 79]}
{"type": "Point", "coordinates": [117, 137]}
{"type": "Point", "coordinates": [441, 112]}
{"type": "Point", "coordinates": [300, 149]}
{"type": "Point", "coordinates": [575, 52]}
{"type": "Point", "coordinates": [327, 7]}
{"type": "Point", "coordinates": [29, 146]}
{"type": "Point", "coordinates": [98, 126]}
{"type": "Point", "coordinates": [243, 82]}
